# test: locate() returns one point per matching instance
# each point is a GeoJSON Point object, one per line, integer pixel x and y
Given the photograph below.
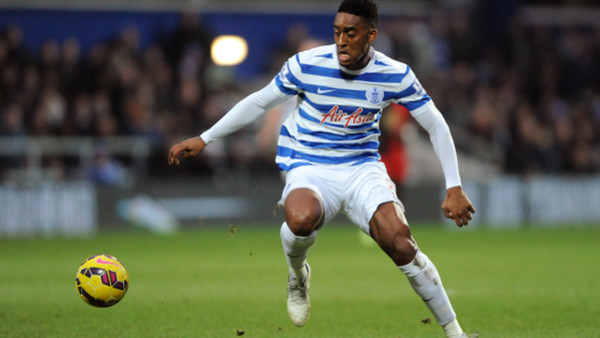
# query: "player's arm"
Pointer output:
{"type": "Point", "coordinates": [242, 114]}
{"type": "Point", "coordinates": [456, 205]}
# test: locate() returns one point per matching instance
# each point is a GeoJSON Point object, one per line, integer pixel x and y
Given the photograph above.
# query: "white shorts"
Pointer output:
{"type": "Point", "coordinates": [356, 190]}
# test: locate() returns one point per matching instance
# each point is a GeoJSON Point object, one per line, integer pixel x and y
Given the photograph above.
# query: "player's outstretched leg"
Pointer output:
{"type": "Point", "coordinates": [425, 280]}
{"type": "Point", "coordinates": [295, 248]}
{"type": "Point", "coordinates": [390, 230]}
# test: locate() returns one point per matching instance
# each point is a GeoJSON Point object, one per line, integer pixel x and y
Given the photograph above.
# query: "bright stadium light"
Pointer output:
{"type": "Point", "coordinates": [229, 50]}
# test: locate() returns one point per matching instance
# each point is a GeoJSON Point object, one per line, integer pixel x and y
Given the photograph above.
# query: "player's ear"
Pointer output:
{"type": "Point", "coordinates": [372, 35]}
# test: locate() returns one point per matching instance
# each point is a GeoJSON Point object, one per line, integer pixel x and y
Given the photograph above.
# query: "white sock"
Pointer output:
{"type": "Point", "coordinates": [295, 248]}
{"type": "Point", "coordinates": [452, 329]}
{"type": "Point", "coordinates": [425, 280]}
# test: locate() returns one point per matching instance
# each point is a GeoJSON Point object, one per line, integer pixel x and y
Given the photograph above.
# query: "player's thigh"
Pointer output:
{"type": "Point", "coordinates": [371, 187]}
{"type": "Point", "coordinates": [318, 182]}
{"type": "Point", "coordinates": [389, 222]}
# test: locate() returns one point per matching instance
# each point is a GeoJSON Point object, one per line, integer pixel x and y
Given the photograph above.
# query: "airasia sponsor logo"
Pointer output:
{"type": "Point", "coordinates": [337, 115]}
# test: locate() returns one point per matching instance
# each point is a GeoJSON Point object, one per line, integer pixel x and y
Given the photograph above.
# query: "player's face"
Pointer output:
{"type": "Point", "coordinates": [353, 39]}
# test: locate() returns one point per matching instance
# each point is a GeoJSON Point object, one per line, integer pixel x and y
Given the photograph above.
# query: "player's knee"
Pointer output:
{"type": "Point", "coordinates": [390, 230]}
{"type": "Point", "coordinates": [303, 212]}
{"type": "Point", "coordinates": [403, 248]}
{"type": "Point", "coordinates": [303, 221]}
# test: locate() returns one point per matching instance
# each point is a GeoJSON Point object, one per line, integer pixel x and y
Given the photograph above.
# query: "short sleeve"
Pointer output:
{"type": "Point", "coordinates": [413, 96]}
{"type": "Point", "coordinates": [286, 81]}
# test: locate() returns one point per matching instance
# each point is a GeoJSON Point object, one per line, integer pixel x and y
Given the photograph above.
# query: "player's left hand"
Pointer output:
{"type": "Point", "coordinates": [457, 206]}
{"type": "Point", "coordinates": [187, 148]}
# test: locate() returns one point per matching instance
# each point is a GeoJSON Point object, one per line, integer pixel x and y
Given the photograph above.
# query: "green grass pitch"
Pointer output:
{"type": "Point", "coordinates": [217, 282]}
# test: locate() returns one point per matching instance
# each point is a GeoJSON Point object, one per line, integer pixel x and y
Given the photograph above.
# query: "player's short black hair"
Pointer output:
{"type": "Point", "coordinates": [364, 8]}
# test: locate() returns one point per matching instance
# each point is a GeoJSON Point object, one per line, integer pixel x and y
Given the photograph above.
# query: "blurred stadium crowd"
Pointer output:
{"type": "Point", "coordinates": [531, 93]}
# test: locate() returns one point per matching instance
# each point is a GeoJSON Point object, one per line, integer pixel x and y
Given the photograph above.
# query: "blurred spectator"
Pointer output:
{"type": "Point", "coordinates": [296, 35]}
{"type": "Point", "coordinates": [394, 154]}
{"type": "Point", "coordinates": [13, 118]}
{"type": "Point", "coordinates": [189, 43]}
{"type": "Point", "coordinates": [70, 67]}
{"type": "Point", "coordinates": [106, 170]}
{"type": "Point", "coordinates": [17, 53]}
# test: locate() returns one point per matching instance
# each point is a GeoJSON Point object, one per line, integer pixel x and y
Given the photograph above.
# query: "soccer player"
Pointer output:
{"type": "Point", "coordinates": [328, 147]}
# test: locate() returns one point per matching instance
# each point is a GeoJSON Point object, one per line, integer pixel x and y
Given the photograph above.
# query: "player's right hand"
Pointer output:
{"type": "Point", "coordinates": [186, 149]}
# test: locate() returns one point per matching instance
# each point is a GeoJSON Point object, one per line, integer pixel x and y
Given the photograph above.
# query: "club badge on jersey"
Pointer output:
{"type": "Point", "coordinates": [374, 95]}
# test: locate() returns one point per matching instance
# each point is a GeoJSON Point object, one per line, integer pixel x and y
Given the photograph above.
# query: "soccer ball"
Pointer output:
{"type": "Point", "coordinates": [102, 280]}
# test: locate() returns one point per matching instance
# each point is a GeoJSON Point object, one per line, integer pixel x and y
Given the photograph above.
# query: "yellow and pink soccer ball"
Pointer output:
{"type": "Point", "coordinates": [102, 280]}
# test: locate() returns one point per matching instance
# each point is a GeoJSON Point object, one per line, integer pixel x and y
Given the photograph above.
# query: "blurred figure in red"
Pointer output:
{"type": "Point", "coordinates": [392, 148]}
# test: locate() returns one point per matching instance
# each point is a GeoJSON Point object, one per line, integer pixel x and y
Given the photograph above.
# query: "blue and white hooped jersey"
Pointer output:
{"type": "Point", "coordinates": [336, 120]}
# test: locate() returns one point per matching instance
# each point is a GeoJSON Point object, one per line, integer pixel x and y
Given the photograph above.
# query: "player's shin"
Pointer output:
{"type": "Point", "coordinates": [295, 248]}
{"type": "Point", "coordinates": [425, 280]}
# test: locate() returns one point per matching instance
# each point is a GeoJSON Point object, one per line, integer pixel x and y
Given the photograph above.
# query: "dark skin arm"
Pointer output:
{"type": "Point", "coordinates": [457, 206]}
